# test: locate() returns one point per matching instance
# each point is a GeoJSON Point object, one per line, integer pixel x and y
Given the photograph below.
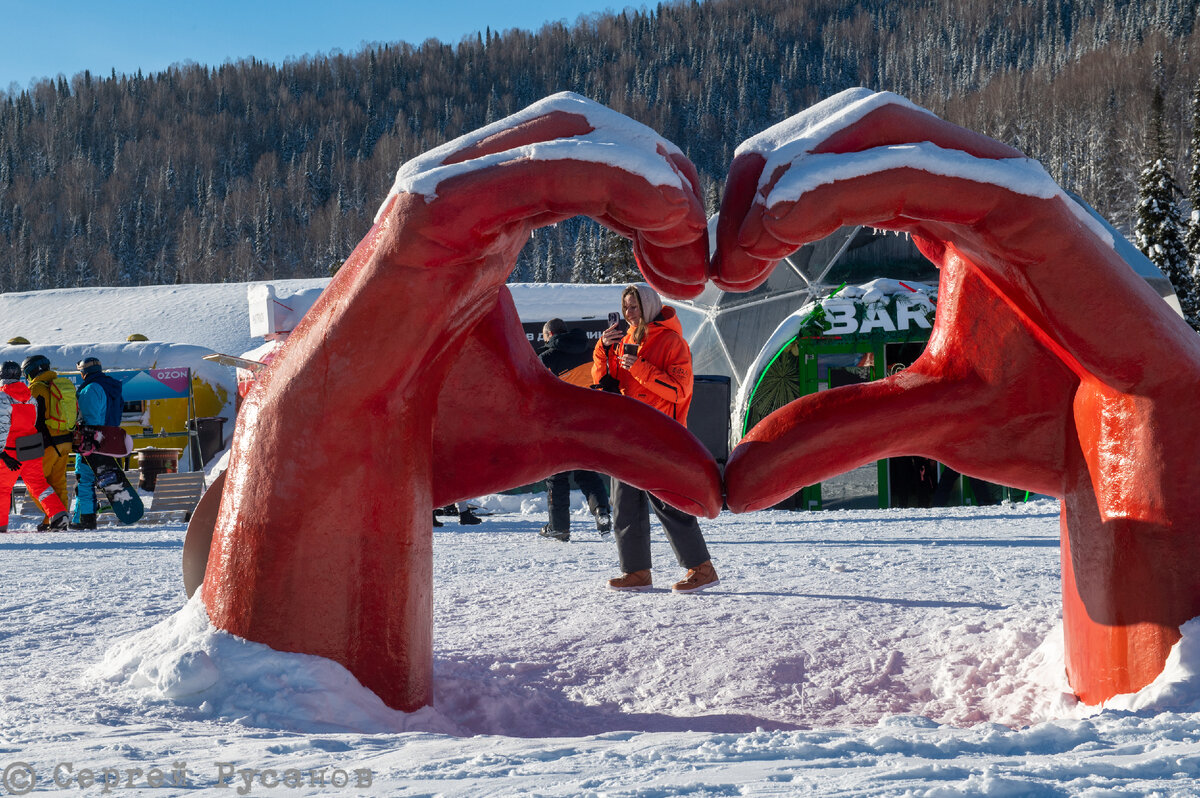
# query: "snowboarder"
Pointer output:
{"type": "Point", "coordinates": [100, 403]}
{"type": "Point", "coordinates": [652, 363]}
{"type": "Point", "coordinates": [568, 356]}
{"type": "Point", "coordinates": [57, 413]}
{"type": "Point", "coordinates": [22, 454]}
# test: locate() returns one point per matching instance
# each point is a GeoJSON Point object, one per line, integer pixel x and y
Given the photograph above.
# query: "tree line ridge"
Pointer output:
{"type": "Point", "coordinates": [250, 171]}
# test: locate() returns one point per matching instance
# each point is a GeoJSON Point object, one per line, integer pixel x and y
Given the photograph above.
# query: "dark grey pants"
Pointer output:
{"type": "Point", "coordinates": [558, 489]}
{"type": "Point", "coordinates": [631, 528]}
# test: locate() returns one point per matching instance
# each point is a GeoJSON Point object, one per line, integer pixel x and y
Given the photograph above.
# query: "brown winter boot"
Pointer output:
{"type": "Point", "coordinates": [636, 581]}
{"type": "Point", "coordinates": [699, 578]}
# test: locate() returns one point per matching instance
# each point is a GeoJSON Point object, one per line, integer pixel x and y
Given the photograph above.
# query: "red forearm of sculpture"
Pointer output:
{"type": "Point", "coordinates": [1091, 381]}
{"type": "Point", "coordinates": [322, 541]}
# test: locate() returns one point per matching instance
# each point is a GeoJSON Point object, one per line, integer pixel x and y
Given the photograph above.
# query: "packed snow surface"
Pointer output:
{"type": "Point", "coordinates": [866, 652]}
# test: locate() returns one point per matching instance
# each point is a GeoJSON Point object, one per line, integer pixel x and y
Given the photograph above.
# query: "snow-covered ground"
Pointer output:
{"type": "Point", "coordinates": [856, 652]}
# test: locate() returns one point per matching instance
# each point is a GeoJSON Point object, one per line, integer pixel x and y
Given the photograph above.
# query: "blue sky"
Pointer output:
{"type": "Point", "coordinates": [42, 38]}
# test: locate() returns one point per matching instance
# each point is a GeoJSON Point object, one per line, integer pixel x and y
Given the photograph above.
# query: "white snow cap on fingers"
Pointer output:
{"type": "Point", "coordinates": [793, 140]}
{"type": "Point", "coordinates": [799, 134]}
{"type": "Point", "coordinates": [608, 142]}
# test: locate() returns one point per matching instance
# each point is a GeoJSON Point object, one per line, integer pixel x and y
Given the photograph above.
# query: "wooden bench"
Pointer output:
{"type": "Point", "coordinates": [178, 492]}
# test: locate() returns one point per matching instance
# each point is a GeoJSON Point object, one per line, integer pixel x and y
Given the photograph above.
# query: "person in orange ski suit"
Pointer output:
{"type": "Point", "coordinates": [18, 417]}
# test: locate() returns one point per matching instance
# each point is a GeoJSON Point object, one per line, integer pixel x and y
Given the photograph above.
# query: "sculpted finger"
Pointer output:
{"type": "Point", "coordinates": [877, 160]}
{"type": "Point", "coordinates": [825, 434]}
{"type": "Point", "coordinates": [975, 408]}
{"type": "Point", "coordinates": [734, 268]}
{"type": "Point", "coordinates": [561, 157]}
{"type": "Point", "coordinates": [680, 272]}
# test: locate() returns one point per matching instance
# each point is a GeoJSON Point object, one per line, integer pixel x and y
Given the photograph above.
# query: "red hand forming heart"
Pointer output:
{"type": "Point", "coordinates": [1051, 366]}
{"type": "Point", "coordinates": [323, 537]}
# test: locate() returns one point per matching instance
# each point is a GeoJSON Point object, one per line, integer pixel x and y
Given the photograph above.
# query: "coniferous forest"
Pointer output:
{"type": "Point", "coordinates": [250, 170]}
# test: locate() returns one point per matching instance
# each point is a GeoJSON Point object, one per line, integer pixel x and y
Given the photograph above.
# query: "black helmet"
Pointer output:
{"type": "Point", "coordinates": [89, 365]}
{"type": "Point", "coordinates": [35, 365]}
{"type": "Point", "coordinates": [10, 371]}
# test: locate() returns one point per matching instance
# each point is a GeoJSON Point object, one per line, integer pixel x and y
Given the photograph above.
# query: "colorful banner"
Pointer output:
{"type": "Point", "coordinates": [141, 384]}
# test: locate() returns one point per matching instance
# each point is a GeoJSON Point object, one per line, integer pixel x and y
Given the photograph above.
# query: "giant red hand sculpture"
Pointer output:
{"type": "Point", "coordinates": [1051, 366]}
{"type": "Point", "coordinates": [323, 535]}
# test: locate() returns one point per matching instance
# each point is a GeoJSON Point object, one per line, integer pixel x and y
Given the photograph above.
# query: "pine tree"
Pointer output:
{"type": "Point", "coordinates": [605, 251]}
{"type": "Point", "coordinates": [622, 266]}
{"type": "Point", "coordinates": [1158, 231]}
{"type": "Point", "coordinates": [1192, 238]}
{"type": "Point", "coordinates": [579, 262]}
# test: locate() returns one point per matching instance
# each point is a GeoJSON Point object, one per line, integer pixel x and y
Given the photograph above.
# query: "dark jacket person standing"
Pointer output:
{"type": "Point", "coordinates": [653, 364]}
{"type": "Point", "coordinates": [100, 404]}
{"type": "Point", "coordinates": [568, 355]}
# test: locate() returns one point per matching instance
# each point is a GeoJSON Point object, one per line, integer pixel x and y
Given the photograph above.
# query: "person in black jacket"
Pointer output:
{"type": "Point", "coordinates": [568, 354]}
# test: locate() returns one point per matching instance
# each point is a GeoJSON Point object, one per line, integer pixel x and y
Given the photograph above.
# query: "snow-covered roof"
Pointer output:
{"type": "Point", "coordinates": [135, 355]}
{"type": "Point", "coordinates": [216, 315]}
{"type": "Point", "coordinates": [211, 315]}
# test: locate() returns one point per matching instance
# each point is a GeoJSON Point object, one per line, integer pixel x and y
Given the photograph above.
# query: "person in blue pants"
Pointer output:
{"type": "Point", "coordinates": [100, 403]}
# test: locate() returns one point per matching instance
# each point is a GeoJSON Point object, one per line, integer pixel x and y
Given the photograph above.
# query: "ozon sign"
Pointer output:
{"type": "Point", "coordinates": [176, 379]}
{"type": "Point", "coordinates": [844, 317]}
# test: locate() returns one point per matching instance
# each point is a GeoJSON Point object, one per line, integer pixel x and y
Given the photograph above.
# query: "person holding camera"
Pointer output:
{"type": "Point", "coordinates": [651, 362]}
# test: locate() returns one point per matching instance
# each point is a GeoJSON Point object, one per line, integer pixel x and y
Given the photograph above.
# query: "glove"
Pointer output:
{"type": "Point", "coordinates": [284, 571]}
{"type": "Point", "coordinates": [1051, 366]}
{"type": "Point", "coordinates": [13, 463]}
{"type": "Point", "coordinates": [609, 384]}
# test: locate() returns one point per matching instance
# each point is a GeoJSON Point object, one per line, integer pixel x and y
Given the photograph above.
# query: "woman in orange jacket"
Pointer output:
{"type": "Point", "coordinates": [652, 363]}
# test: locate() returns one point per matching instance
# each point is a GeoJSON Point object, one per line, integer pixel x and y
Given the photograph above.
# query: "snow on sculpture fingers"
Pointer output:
{"type": "Point", "coordinates": [1089, 378]}
{"type": "Point", "coordinates": [323, 542]}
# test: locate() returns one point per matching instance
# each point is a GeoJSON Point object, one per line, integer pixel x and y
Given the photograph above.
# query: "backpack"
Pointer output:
{"type": "Point", "coordinates": [62, 407]}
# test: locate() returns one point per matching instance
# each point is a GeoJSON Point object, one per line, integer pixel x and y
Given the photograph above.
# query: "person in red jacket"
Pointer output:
{"type": "Point", "coordinates": [652, 363]}
{"type": "Point", "coordinates": [18, 419]}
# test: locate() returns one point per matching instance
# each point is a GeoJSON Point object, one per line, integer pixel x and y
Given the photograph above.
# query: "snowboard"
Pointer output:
{"type": "Point", "coordinates": [108, 441]}
{"type": "Point", "coordinates": [122, 496]}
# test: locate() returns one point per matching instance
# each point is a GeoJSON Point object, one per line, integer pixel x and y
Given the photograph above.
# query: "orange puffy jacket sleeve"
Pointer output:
{"type": "Point", "coordinates": [662, 375]}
